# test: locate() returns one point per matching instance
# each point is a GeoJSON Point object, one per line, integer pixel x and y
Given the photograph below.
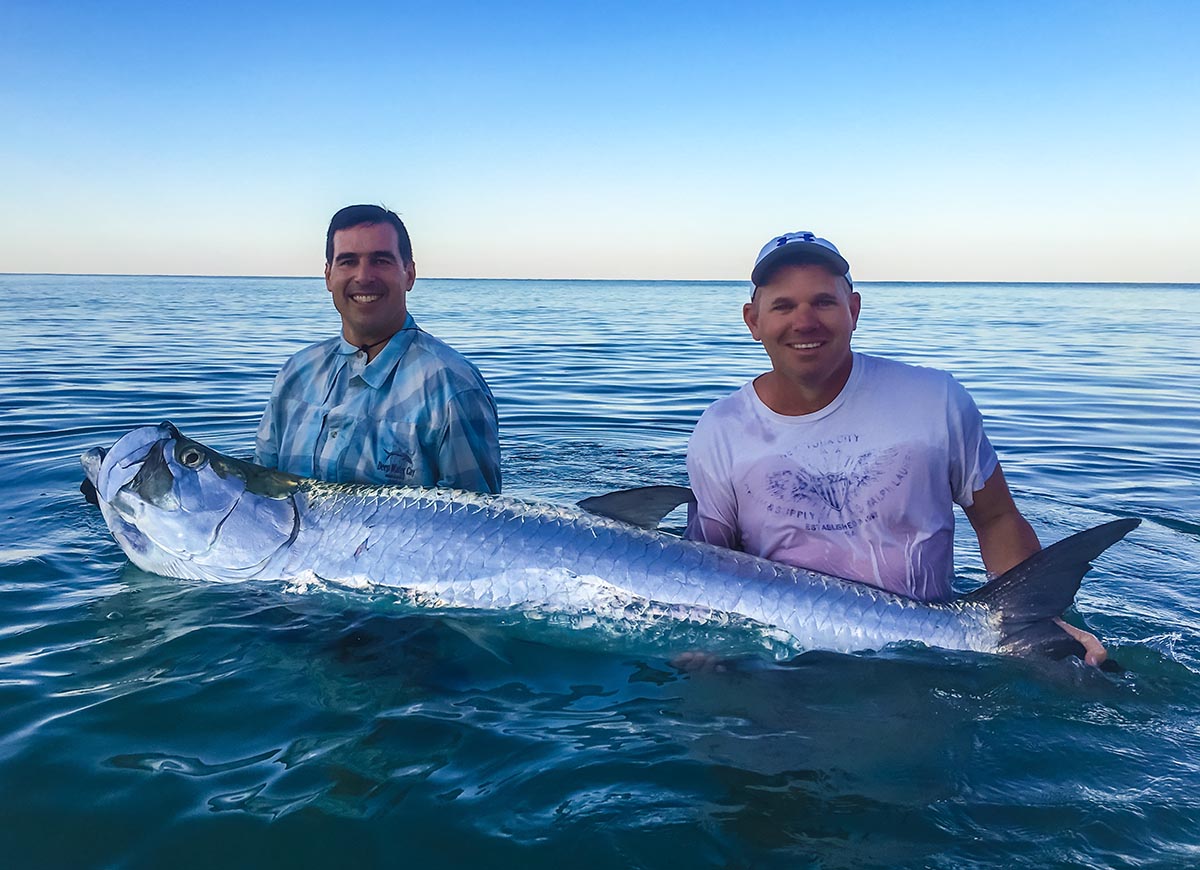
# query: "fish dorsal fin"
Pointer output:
{"type": "Point", "coordinates": [643, 506]}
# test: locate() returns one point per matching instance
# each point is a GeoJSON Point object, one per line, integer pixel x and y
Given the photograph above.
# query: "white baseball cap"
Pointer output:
{"type": "Point", "coordinates": [798, 247]}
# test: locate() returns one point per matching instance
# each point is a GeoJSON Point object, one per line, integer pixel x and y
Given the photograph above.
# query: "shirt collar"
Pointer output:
{"type": "Point", "coordinates": [378, 369]}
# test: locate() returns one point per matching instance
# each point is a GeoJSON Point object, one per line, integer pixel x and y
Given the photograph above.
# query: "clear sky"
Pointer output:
{"type": "Point", "coordinates": [1056, 140]}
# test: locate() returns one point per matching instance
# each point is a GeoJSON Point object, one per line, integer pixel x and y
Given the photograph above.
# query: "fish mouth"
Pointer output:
{"type": "Point", "coordinates": [109, 468]}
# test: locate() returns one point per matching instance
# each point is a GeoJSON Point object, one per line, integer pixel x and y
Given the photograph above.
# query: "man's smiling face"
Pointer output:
{"type": "Point", "coordinates": [369, 281]}
{"type": "Point", "coordinates": [804, 316]}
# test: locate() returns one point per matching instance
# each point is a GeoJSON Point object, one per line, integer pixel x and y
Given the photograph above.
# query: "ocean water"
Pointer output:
{"type": "Point", "coordinates": [149, 722]}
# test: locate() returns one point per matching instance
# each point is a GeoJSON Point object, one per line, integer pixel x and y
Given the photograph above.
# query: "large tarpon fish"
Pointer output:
{"type": "Point", "coordinates": [180, 509]}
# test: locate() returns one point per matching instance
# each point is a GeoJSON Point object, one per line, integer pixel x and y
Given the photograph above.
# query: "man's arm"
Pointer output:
{"type": "Point", "coordinates": [703, 526]}
{"type": "Point", "coordinates": [266, 439]}
{"type": "Point", "coordinates": [469, 451]}
{"type": "Point", "coordinates": [1005, 537]}
{"type": "Point", "coordinates": [1006, 540]}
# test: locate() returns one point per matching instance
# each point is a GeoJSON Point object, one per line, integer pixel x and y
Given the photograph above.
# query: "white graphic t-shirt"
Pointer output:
{"type": "Point", "coordinates": [862, 489]}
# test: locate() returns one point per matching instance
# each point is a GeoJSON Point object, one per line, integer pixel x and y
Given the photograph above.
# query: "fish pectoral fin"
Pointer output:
{"type": "Point", "coordinates": [89, 492]}
{"type": "Point", "coordinates": [643, 506]}
{"type": "Point", "coordinates": [476, 636]}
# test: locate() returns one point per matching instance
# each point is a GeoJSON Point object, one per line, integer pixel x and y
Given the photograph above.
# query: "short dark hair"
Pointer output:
{"type": "Point", "coordinates": [357, 215]}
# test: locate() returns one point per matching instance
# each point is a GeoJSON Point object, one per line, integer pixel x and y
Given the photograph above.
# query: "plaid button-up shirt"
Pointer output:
{"type": "Point", "coordinates": [419, 414]}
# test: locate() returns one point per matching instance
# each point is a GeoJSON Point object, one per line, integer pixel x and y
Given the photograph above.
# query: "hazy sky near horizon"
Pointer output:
{"type": "Point", "coordinates": [1016, 141]}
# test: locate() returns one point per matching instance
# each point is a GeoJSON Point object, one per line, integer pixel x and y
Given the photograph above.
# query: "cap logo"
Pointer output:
{"type": "Point", "coordinates": [795, 237]}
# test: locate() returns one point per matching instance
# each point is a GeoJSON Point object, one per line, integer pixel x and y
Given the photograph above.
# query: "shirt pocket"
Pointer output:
{"type": "Point", "coordinates": [387, 452]}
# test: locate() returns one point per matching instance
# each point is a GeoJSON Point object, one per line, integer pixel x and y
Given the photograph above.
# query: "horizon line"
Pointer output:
{"type": "Point", "coordinates": [582, 280]}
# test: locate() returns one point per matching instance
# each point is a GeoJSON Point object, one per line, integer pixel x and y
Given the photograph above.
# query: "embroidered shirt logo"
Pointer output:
{"type": "Point", "coordinates": [397, 465]}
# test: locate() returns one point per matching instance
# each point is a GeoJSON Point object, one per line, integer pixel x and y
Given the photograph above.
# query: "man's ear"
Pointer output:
{"type": "Point", "coordinates": [750, 315]}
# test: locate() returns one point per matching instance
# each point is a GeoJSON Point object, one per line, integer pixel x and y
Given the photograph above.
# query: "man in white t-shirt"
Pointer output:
{"type": "Point", "coordinates": [845, 463]}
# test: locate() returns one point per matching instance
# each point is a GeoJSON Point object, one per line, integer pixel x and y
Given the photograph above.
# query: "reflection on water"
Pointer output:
{"type": "Point", "coordinates": [172, 723]}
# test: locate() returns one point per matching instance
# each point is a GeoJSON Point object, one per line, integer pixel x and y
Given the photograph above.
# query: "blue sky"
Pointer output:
{"type": "Point", "coordinates": [1020, 141]}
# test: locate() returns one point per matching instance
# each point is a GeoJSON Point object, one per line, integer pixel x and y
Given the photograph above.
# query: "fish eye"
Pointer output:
{"type": "Point", "coordinates": [191, 457]}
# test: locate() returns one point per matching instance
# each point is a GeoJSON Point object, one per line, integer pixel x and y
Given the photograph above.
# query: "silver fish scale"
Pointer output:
{"type": "Point", "coordinates": [467, 550]}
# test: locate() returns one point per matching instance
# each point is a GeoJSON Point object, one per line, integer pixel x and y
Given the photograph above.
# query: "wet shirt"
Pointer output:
{"type": "Point", "coordinates": [419, 414]}
{"type": "Point", "coordinates": [863, 489]}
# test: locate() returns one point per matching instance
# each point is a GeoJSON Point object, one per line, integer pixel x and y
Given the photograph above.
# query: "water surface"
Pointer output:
{"type": "Point", "coordinates": [149, 722]}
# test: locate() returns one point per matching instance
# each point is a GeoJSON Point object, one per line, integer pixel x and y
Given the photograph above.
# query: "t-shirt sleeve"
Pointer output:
{"type": "Point", "coordinates": [714, 517]}
{"type": "Point", "coordinates": [972, 457]}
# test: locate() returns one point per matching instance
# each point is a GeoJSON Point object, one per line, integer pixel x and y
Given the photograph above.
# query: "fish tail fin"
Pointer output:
{"type": "Point", "coordinates": [1029, 596]}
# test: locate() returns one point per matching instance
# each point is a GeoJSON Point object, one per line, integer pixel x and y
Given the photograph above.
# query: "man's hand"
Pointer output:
{"type": "Point", "coordinates": [699, 662]}
{"type": "Point", "coordinates": [1096, 653]}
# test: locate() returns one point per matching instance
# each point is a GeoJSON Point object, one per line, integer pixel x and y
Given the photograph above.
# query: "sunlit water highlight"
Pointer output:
{"type": "Point", "coordinates": [149, 722]}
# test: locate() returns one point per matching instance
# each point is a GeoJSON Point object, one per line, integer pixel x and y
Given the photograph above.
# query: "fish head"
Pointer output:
{"type": "Point", "coordinates": [181, 509]}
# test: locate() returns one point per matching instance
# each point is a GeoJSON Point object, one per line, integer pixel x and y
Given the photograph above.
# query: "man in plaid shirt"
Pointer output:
{"type": "Point", "coordinates": [384, 402]}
